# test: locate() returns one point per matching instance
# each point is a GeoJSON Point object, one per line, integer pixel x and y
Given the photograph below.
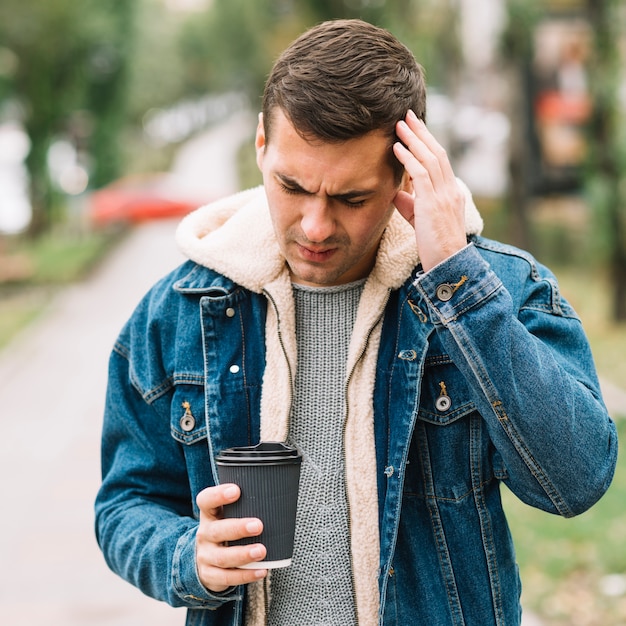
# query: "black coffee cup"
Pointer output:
{"type": "Point", "coordinates": [268, 476]}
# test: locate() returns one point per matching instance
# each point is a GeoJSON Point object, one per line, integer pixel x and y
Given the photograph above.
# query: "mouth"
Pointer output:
{"type": "Point", "coordinates": [315, 255]}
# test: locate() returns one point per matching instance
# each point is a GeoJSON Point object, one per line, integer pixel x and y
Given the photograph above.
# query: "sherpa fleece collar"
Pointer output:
{"type": "Point", "coordinates": [235, 237]}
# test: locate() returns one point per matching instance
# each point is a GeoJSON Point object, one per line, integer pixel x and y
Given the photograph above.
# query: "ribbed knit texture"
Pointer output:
{"type": "Point", "coordinates": [317, 588]}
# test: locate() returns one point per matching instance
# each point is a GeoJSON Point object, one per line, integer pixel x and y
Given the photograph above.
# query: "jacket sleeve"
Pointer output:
{"type": "Point", "coordinates": [528, 364]}
{"type": "Point", "coordinates": [145, 518]}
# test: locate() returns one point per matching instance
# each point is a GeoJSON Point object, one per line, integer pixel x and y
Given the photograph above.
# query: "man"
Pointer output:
{"type": "Point", "coordinates": [350, 307]}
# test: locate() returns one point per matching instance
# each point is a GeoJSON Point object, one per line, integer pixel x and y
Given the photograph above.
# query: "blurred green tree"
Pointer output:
{"type": "Point", "coordinates": [233, 44]}
{"type": "Point", "coordinates": [517, 50]}
{"type": "Point", "coordinates": [158, 72]}
{"type": "Point", "coordinates": [69, 80]}
{"type": "Point", "coordinates": [607, 164]}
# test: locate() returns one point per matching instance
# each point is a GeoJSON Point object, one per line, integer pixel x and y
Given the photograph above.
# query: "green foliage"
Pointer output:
{"type": "Point", "coordinates": [89, 71]}
{"type": "Point", "coordinates": [60, 256]}
{"type": "Point", "coordinates": [70, 58]}
{"type": "Point", "coordinates": [606, 170]}
{"type": "Point", "coordinates": [516, 44]}
{"type": "Point", "coordinates": [156, 67]}
{"type": "Point", "coordinates": [233, 45]}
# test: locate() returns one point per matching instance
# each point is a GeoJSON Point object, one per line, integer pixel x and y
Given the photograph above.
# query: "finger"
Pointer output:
{"type": "Point", "coordinates": [426, 149]}
{"type": "Point", "coordinates": [219, 567]}
{"type": "Point", "coordinates": [223, 530]}
{"type": "Point", "coordinates": [419, 128]}
{"type": "Point", "coordinates": [421, 178]}
{"type": "Point", "coordinates": [212, 499]}
{"type": "Point", "coordinates": [218, 579]}
{"type": "Point", "coordinates": [446, 193]}
{"type": "Point", "coordinates": [218, 563]}
{"type": "Point", "coordinates": [230, 557]}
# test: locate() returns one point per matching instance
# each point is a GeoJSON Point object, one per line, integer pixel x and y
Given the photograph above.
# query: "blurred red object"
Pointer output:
{"type": "Point", "coordinates": [137, 199]}
{"type": "Point", "coordinates": [554, 106]}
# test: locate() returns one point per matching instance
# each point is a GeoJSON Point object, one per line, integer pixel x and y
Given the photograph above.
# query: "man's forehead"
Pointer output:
{"type": "Point", "coordinates": [279, 119]}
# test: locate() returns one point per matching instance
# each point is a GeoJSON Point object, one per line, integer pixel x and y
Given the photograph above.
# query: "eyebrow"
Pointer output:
{"type": "Point", "coordinates": [346, 195]}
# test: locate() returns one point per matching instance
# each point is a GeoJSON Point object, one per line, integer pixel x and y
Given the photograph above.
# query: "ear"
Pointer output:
{"type": "Point", "coordinates": [259, 142]}
{"type": "Point", "coordinates": [406, 184]}
{"type": "Point", "coordinates": [403, 199]}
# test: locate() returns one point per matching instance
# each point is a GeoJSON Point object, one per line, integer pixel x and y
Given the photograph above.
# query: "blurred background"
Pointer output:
{"type": "Point", "coordinates": [117, 117]}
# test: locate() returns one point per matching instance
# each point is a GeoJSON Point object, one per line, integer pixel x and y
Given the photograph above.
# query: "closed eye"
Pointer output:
{"type": "Point", "coordinates": [348, 200]}
{"type": "Point", "coordinates": [291, 190]}
{"type": "Point", "coordinates": [355, 204]}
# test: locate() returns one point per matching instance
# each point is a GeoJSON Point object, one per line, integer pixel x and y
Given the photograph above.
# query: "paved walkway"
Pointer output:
{"type": "Point", "coordinates": [52, 384]}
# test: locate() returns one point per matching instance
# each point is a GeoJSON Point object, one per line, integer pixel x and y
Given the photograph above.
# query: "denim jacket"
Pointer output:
{"type": "Point", "coordinates": [481, 375]}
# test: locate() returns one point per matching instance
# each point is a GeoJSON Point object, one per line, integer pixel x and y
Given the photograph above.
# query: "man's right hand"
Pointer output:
{"type": "Point", "coordinates": [216, 562]}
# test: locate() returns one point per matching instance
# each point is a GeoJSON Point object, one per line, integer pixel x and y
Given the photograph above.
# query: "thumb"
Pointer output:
{"type": "Point", "coordinates": [211, 500]}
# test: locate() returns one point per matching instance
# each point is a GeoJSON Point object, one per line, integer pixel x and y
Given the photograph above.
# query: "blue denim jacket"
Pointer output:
{"type": "Point", "coordinates": [484, 376]}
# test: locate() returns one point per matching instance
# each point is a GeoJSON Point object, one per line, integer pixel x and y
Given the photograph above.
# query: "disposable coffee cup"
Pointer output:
{"type": "Point", "coordinates": [268, 475]}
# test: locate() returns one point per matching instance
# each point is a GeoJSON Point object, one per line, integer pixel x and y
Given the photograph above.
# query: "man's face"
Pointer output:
{"type": "Point", "coordinates": [329, 202]}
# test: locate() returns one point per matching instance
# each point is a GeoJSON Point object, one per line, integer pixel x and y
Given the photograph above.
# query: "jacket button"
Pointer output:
{"type": "Point", "coordinates": [443, 403]}
{"type": "Point", "coordinates": [444, 292]}
{"type": "Point", "coordinates": [230, 312]}
{"type": "Point", "coordinates": [187, 422]}
{"type": "Point", "coordinates": [389, 471]}
{"type": "Point", "coordinates": [234, 369]}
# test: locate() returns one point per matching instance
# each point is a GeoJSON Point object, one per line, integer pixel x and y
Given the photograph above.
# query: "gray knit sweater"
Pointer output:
{"type": "Point", "coordinates": [317, 588]}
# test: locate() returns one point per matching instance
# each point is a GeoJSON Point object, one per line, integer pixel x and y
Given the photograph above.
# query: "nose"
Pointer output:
{"type": "Point", "coordinates": [318, 222]}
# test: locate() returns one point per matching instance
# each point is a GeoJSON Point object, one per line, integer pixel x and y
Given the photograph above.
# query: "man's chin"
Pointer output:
{"type": "Point", "coordinates": [313, 277]}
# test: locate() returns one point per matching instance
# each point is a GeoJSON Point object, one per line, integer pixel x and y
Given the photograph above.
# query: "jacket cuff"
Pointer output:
{"type": "Point", "coordinates": [186, 582]}
{"type": "Point", "coordinates": [457, 284]}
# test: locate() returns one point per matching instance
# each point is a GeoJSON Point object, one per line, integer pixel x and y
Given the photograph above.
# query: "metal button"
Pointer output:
{"type": "Point", "coordinates": [443, 403]}
{"type": "Point", "coordinates": [187, 422]}
{"type": "Point", "coordinates": [389, 471]}
{"type": "Point", "coordinates": [230, 312]}
{"type": "Point", "coordinates": [234, 369]}
{"type": "Point", "coordinates": [407, 355]}
{"type": "Point", "coordinates": [444, 292]}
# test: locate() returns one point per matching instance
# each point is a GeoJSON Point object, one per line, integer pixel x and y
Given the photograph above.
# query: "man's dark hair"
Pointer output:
{"type": "Point", "coordinates": [343, 79]}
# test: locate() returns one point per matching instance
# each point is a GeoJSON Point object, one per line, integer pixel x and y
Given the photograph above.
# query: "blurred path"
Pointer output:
{"type": "Point", "coordinates": [52, 386]}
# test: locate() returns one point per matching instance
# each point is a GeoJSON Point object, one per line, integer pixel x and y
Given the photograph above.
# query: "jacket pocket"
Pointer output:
{"type": "Point", "coordinates": [447, 438]}
{"type": "Point", "coordinates": [187, 414]}
{"type": "Point", "coordinates": [188, 427]}
{"type": "Point", "coordinates": [444, 395]}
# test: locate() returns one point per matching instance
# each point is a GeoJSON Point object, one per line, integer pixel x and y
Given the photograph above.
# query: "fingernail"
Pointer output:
{"type": "Point", "coordinates": [230, 492]}
{"type": "Point", "coordinates": [260, 573]}
{"type": "Point", "coordinates": [253, 527]}
{"type": "Point", "coordinates": [255, 553]}
{"type": "Point", "coordinates": [412, 115]}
